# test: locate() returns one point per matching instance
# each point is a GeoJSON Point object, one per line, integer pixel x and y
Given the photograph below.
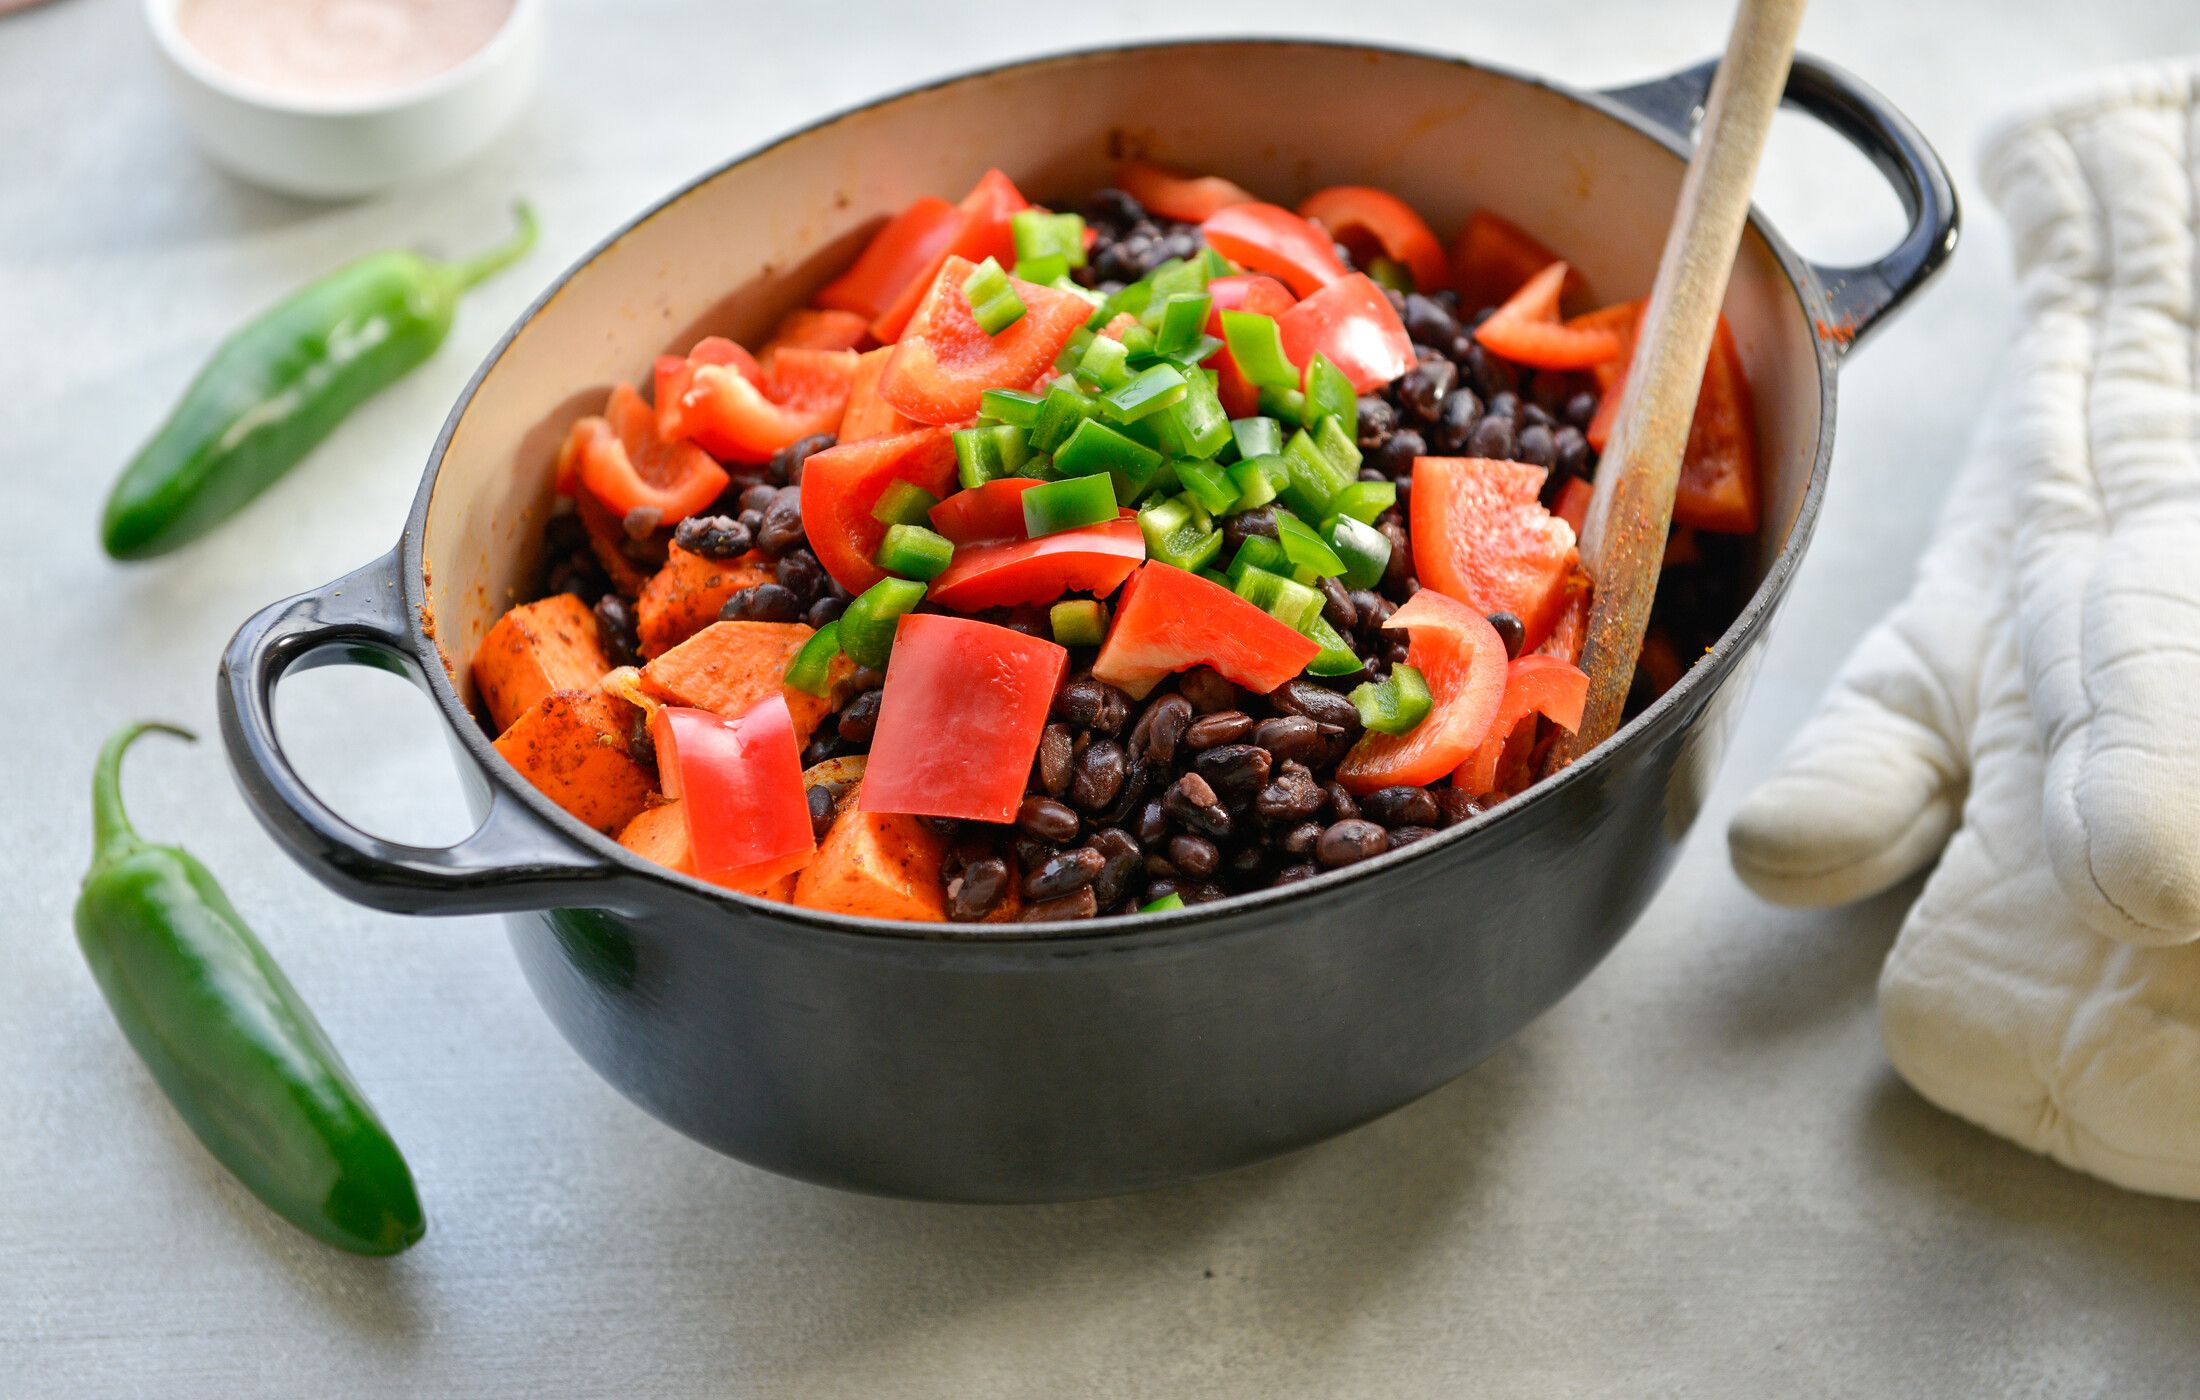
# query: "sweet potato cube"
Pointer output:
{"type": "Point", "coordinates": [880, 864]}
{"type": "Point", "coordinates": [536, 648]}
{"type": "Point", "coordinates": [573, 745]}
{"type": "Point", "coordinates": [729, 666]}
{"type": "Point", "coordinates": [684, 596]}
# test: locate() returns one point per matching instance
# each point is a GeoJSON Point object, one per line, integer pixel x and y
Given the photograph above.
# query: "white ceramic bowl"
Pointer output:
{"type": "Point", "coordinates": [351, 146]}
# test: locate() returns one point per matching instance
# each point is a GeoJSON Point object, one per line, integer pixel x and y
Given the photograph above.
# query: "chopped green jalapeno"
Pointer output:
{"type": "Point", "coordinates": [1079, 622]}
{"type": "Point", "coordinates": [1290, 603]}
{"type": "Point", "coordinates": [867, 627]}
{"type": "Point", "coordinates": [1304, 548]}
{"type": "Point", "coordinates": [1365, 500]}
{"type": "Point", "coordinates": [1256, 437]}
{"type": "Point", "coordinates": [1171, 900]}
{"type": "Point", "coordinates": [1176, 536]}
{"type": "Point", "coordinates": [904, 503]}
{"type": "Point", "coordinates": [993, 302]}
{"type": "Point", "coordinates": [1329, 392]}
{"type": "Point", "coordinates": [1068, 504]}
{"type": "Point", "coordinates": [1314, 481]}
{"type": "Point", "coordinates": [1258, 479]}
{"type": "Point", "coordinates": [1210, 483]}
{"type": "Point", "coordinates": [1394, 704]}
{"type": "Point", "coordinates": [913, 551]}
{"type": "Point", "coordinates": [809, 670]}
{"type": "Point", "coordinates": [1364, 549]}
{"type": "Point", "coordinates": [1257, 346]}
{"type": "Point", "coordinates": [1011, 406]}
{"type": "Point", "coordinates": [1149, 391]}
{"type": "Point", "coordinates": [1038, 234]}
{"type": "Point", "coordinates": [1336, 657]}
{"type": "Point", "coordinates": [987, 454]}
{"type": "Point", "coordinates": [1096, 447]}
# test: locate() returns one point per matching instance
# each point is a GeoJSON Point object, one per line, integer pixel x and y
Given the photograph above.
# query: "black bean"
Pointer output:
{"type": "Point", "coordinates": [1121, 860]}
{"type": "Point", "coordinates": [1235, 771]}
{"type": "Point", "coordinates": [1030, 853]}
{"type": "Point", "coordinates": [1300, 839]}
{"type": "Point", "coordinates": [1580, 408]}
{"type": "Point", "coordinates": [1064, 871]}
{"type": "Point", "coordinates": [1112, 208]}
{"type": "Point", "coordinates": [1572, 451]}
{"type": "Point", "coordinates": [820, 799]}
{"type": "Point", "coordinates": [800, 574]}
{"type": "Point", "coordinates": [1510, 632]}
{"type": "Point", "coordinates": [1399, 571]}
{"type": "Point", "coordinates": [1534, 415]}
{"type": "Point", "coordinates": [1054, 759]}
{"type": "Point", "coordinates": [824, 610]}
{"type": "Point", "coordinates": [1457, 805]}
{"type": "Point", "coordinates": [1374, 610]}
{"type": "Point", "coordinates": [782, 525]}
{"type": "Point", "coordinates": [1221, 727]}
{"type": "Point", "coordinates": [713, 536]}
{"type": "Point", "coordinates": [1317, 703]}
{"type": "Point", "coordinates": [751, 520]}
{"type": "Point", "coordinates": [821, 747]}
{"type": "Point", "coordinates": [1152, 823]}
{"type": "Point", "coordinates": [860, 718]}
{"type": "Point", "coordinates": [649, 549]}
{"type": "Point", "coordinates": [1161, 728]}
{"type": "Point", "coordinates": [1292, 874]}
{"type": "Point", "coordinates": [1195, 855]}
{"type": "Point", "coordinates": [1097, 776]}
{"type": "Point", "coordinates": [1160, 888]}
{"type": "Point", "coordinates": [786, 464]}
{"type": "Point", "coordinates": [1492, 437]}
{"type": "Point", "coordinates": [1248, 865]}
{"type": "Point", "coordinates": [978, 890]}
{"type": "Point", "coordinates": [1396, 456]}
{"type": "Point", "coordinates": [1505, 404]}
{"type": "Point", "coordinates": [1137, 777]}
{"type": "Point", "coordinates": [1200, 891]}
{"type": "Point", "coordinates": [1428, 323]}
{"type": "Point", "coordinates": [1337, 609]}
{"type": "Point", "coordinates": [1407, 835]}
{"type": "Point", "coordinates": [1092, 704]}
{"type": "Point", "coordinates": [615, 628]}
{"type": "Point", "coordinates": [1489, 374]}
{"type": "Point", "coordinates": [1291, 738]}
{"type": "Point", "coordinates": [1077, 904]}
{"type": "Point", "coordinates": [1348, 841]}
{"type": "Point", "coordinates": [1378, 420]}
{"type": "Point", "coordinates": [1238, 528]}
{"type": "Point", "coordinates": [1192, 802]}
{"type": "Point", "coordinates": [758, 497]}
{"type": "Point", "coordinates": [1206, 690]}
{"type": "Point", "coordinates": [1401, 806]}
{"type": "Point", "coordinates": [1339, 803]}
{"type": "Point", "coordinates": [1455, 420]}
{"type": "Point", "coordinates": [1421, 390]}
{"type": "Point", "coordinates": [1535, 446]}
{"type": "Point", "coordinates": [1047, 820]}
{"type": "Point", "coordinates": [1291, 796]}
{"type": "Point", "coordinates": [765, 602]}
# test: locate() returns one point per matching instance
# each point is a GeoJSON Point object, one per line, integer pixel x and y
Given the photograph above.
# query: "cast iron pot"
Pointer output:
{"type": "Point", "coordinates": [1030, 1063]}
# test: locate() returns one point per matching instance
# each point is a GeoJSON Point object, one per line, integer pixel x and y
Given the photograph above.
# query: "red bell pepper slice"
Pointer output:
{"type": "Point", "coordinates": [1526, 329]}
{"type": "Point", "coordinates": [739, 786]}
{"type": "Point", "coordinates": [622, 462]}
{"type": "Point", "coordinates": [1492, 258]}
{"type": "Point", "coordinates": [1463, 660]}
{"type": "Point", "coordinates": [740, 414]}
{"type": "Point", "coordinates": [1244, 291]}
{"type": "Point", "coordinates": [812, 328]}
{"type": "Point", "coordinates": [1353, 323]}
{"type": "Point", "coordinates": [1189, 198]}
{"type": "Point", "coordinates": [1361, 216]}
{"type": "Point", "coordinates": [898, 254]}
{"type": "Point", "coordinates": [841, 485]}
{"type": "Point", "coordinates": [1094, 559]}
{"type": "Point", "coordinates": [1169, 620]}
{"type": "Point", "coordinates": [994, 511]}
{"type": "Point", "coordinates": [1718, 488]}
{"type": "Point", "coordinates": [985, 232]}
{"type": "Point", "coordinates": [1480, 535]}
{"type": "Point", "coordinates": [1534, 685]}
{"type": "Point", "coordinates": [945, 362]}
{"type": "Point", "coordinates": [959, 719]}
{"type": "Point", "coordinates": [868, 415]}
{"type": "Point", "coordinates": [1572, 505]}
{"type": "Point", "coordinates": [1268, 238]}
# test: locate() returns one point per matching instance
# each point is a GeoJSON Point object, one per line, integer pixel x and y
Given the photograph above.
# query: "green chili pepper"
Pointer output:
{"type": "Point", "coordinates": [913, 551]}
{"type": "Point", "coordinates": [1212, 485]}
{"type": "Point", "coordinates": [1291, 603]}
{"type": "Point", "coordinates": [987, 454]}
{"type": "Point", "coordinates": [1336, 657]}
{"type": "Point", "coordinates": [1171, 900]}
{"type": "Point", "coordinates": [993, 302]}
{"type": "Point", "coordinates": [1396, 704]}
{"type": "Point", "coordinates": [281, 384]}
{"type": "Point", "coordinates": [867, 627]}
{"type": "Point", "coordinates": [1257, 437]}
{"type": "Point", "coordinates": [1364, 549]}
{"type": "Point", "coordinates": [1257, 346]}
{"type": "Point", "coordinates": [228, 1040]}
{"type": "Point", "coordinates": [1146, 393]}
{"type": "Point", "coordinates": [904, 503]}
{"type": "Point", "coordinates": [1364, 501]}
{"type": "Point", "coordinates": [1177, 536]}
{"type": "Point", "coordinates": [1329, 392]}
{"type": "Point", "coordinates": [1096, 447]}
{"type": "Point", "coordinates": [811, 670]}
{"type": "Point", "coordinates": [1068, 504]}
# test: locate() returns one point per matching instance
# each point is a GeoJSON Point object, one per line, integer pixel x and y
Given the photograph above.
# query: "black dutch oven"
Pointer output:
{"type": "Point", "coordinates": [1031, 1063]}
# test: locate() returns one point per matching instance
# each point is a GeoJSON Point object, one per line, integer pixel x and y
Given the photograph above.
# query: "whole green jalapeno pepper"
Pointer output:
{"type": "Point", "coordinates": [228, 1040]}
{"type": "Point", "coordinates": [282, 383]}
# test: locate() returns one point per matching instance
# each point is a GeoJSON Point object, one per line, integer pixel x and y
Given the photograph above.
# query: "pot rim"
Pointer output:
{"type": "Point", "coordinates": [1128, 931]}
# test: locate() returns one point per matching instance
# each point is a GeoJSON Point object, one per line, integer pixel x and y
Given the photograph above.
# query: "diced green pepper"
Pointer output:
{"type": "Point", "coordinates": [867, 627]}
{"type": "Point", "coordinates": [987, 454]}
{"type": "Point", "coordinates": [1258, 479]}
{"type": "Point", "coordinates": [1079, 622]}
{"type": "Point", "coordinates": [1149, 391]}
{"type": "Point", "coordinates": [1073, 349]}
{"type": "Point", "coordinates": [1063, 408]}
{"type": "Point", "coordinates": [1068, 503]}
{"type": "Point", "coordinates": [1257, 346]}
{"type": "Point", "coordinates": [913, 551]}
{"type": "Point", "coordinates": [1337, 445]}
{"type": "Point", "coordinates": [812, 665]}
{"type": "Point", "coordinates": [1105, 363]}
{"type": "Point", "coordinates": [1217, 265]}
{"type": "Point", "coordinates": [1177, 277]}
{"type": "Point", "coordinates": [1171, 900]}
{"type": "Point", "coordinates": [993, 302]}
{"type": "Point", "coordinates": [904, 503]}
{"type": "Point", "coordinates": [1096, 447]}
{"type": "Point", "coordinates": [1259, 552]}
{"type": "Point", "coordinates": [1304, 548]}
{"type": "Point", "coordinates": [1328, 391]}
{"type": "Point", "coordinates": [1364, 549]}
{"type": "Point", "coordinates": [1394, 704]}
{"type": "Point", "coordinates": [1039, 234]}
{"type": "Point", "coordinates": [1011, 406]}
{"type": "Point", "coordinates": [1132, 300]}
{"type": "Point", "coordinates": [1196, 425]}
{"type": "Point", "coordinates": [1314, 481]}
{"type": "Point", "coordinates": [1336, 657]}
{"type": "Point", "coordinates": [1183, 320]}
{"type": "Point", "coordinates": [1256, 437]}
{"type": "Point", "coordinates": [1390, 273]}
{"type": "Point", "coordinates": [1284, 405]}
{"type": "Point", "coordinates": [1292, 604]}
{"type": "Point", "coordinates": [1365, 500]}
{"type": "Point", "coordinates": [1046, 269]}
{"type": "Point", "coordinates": [1210, 483]}
{"type": "Point", "coordinates": [1174, 534]}
{"type": "Point", "coordinates": [1138, 344]}
{"type": "Point", "coordinates": [1195, 351]}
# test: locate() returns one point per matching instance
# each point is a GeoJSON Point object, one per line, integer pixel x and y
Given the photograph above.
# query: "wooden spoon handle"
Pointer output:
{"type": "Point", "coordinates": [1623, 536]}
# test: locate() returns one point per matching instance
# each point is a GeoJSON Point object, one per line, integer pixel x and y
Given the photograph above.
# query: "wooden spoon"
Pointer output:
{"type": "Point", "coordinates": [1623, 535]}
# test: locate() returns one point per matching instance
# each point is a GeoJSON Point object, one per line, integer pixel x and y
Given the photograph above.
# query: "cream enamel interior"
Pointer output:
{"type": "Point", "coordinates": [753, 240]}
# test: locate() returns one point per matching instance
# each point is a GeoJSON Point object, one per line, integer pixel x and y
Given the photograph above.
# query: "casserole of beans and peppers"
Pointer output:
{"type": "Point", "coordinates": [1050, 565]}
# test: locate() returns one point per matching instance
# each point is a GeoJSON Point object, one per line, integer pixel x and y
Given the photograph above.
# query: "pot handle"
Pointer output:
{"type": "Point", "coordinates": [1858, 297]}
{"type": "Point", "coordinates": [516, 859]}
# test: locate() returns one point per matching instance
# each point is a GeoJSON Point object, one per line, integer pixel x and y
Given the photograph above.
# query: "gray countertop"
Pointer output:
{"type": "Point", "coordinates": [1696, 1176]}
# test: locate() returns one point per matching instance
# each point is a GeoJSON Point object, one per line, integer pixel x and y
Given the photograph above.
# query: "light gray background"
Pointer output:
{"type": "Point", "coordinates": [1697, 1176]}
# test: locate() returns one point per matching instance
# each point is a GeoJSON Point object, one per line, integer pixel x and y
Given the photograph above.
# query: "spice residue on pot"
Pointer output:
{"type": "Point", "coordinates": [321, 49]}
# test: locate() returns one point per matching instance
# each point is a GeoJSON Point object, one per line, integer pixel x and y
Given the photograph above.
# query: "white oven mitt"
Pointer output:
{"type": "Point", "coordinates": [2031, 714]}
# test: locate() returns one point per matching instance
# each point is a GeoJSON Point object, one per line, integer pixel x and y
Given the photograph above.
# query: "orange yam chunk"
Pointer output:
{"type": "Point", "coordinates": [684, 596]}
{"type": "Point", "coordinates": [659, 833]}
{"type": "Point", "coordinates": [729, 666]}
{"type": "Point", "coordinates": [878, 864]}
{"type": "Point", "coordinates": [549, 644]}
{"type": "Point", "coordinates": [573, 746]}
